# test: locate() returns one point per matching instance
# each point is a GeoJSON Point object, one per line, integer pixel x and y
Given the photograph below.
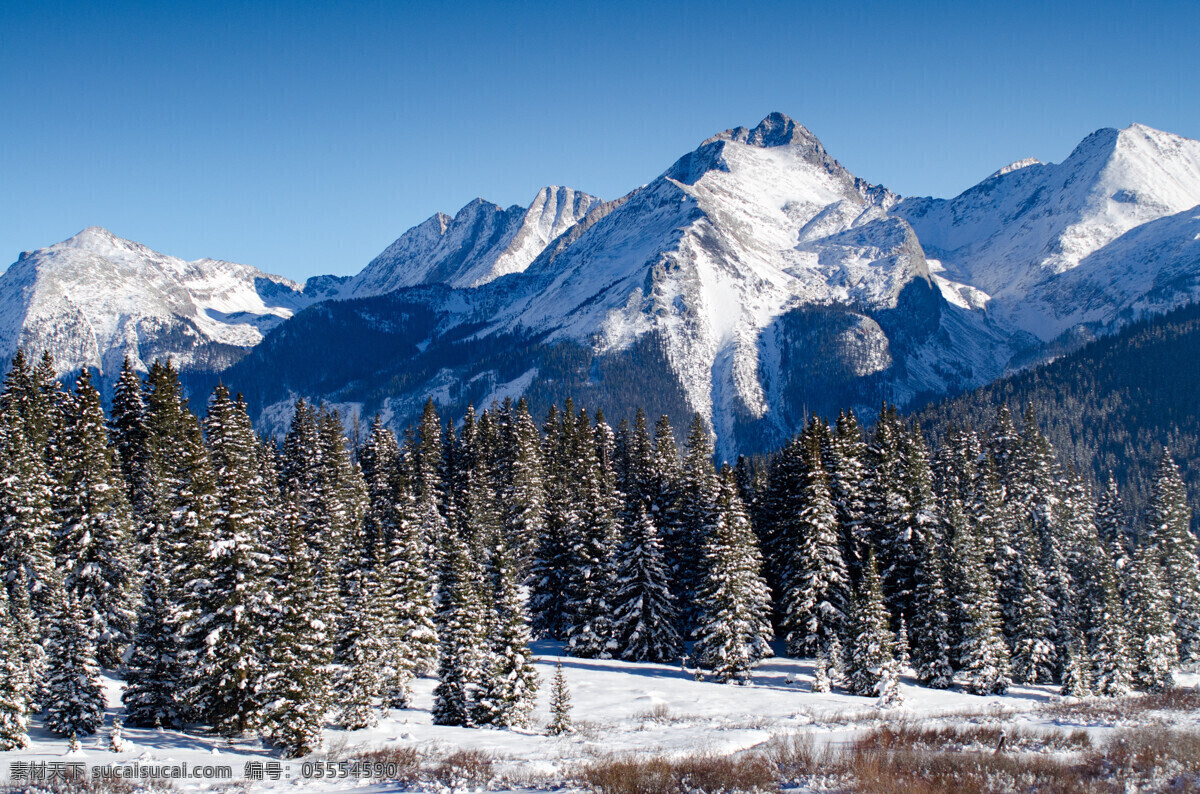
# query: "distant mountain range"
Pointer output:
{"type": "Point", "coordinates": [755, 281]}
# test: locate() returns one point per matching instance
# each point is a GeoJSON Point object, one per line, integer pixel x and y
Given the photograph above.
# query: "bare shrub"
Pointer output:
{"type": "Point", "coordinates": [700, 774]}
{"type": "Point", "coordinates": [391, 762]}
{"type": "Point", "coordinates": [473, 768]}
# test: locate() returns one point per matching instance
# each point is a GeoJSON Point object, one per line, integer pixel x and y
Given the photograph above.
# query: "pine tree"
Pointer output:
{"type": "Point", "coordinates": [696, 508]}
{"type": "Point", "coordinates": [733, 630]}
{"type": "Point", "coordinates": [363, 648]}
{"type": "Point", "coordinates": [1112, 525]}
{"type": "Point", "coordinates": [127, 430]}
{"type": "Point", "coordinates": [814, 575]}
{"type": "Point", "coordinates": [846, 463]}
{"type": "Point", "coordinates": [227, 672]}
{"type": "Point", "coordinates": [888, 688]}
{"type": "Point", "coordinates": [509, 689]}
{"type": "Point", "coordinates": [982, 653]}
{"type": "Point", "coordinates": [94, 541]}
{"type": "Point", "coordinates": [1076, 678]}
{"type": "Point", "coordinates": [153, 675]}
{"type": "Point", "coordinates": [1107, 635]}
{"type": "Point", "coordinates": [463, 656]}
{"type": "Point", "coordinates": [75, 706]}
{"type": "Point", "coordinates": [593, 536]}
{"type": "Point", "coordinates": [14, 683]}
{"type": "Point", "coordinates": [821, 682]}
{"type": "Point", "coordinates": [868, 653]}
{"type": "Point", "coordinates": [295, 683]}
{"type": "Point", "coordinates": [560, 704]}
{"type": "Point", "coordinates": [523, 491]}
{"type": "Point", "coordinates": [1177, 549]}
{"type": "Point", "coordinates": [643, 610]}
{"type": "Point", "coordinates": [1155, 647]}
{"type": "Point", "coordinates": [26, 517]}
{"type": "Point", "coordinates": [413, 626]}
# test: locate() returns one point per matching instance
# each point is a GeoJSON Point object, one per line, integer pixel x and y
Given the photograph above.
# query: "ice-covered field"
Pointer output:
{"type": "Point", "coordinates": [618, 708]}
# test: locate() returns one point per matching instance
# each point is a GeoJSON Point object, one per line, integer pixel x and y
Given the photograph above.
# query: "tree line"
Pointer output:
{"type": "Point", "coordinates": [250, 587]}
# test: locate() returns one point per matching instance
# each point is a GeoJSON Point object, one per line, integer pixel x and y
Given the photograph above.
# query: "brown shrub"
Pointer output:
{"type": "Point", "coordinates": [473, 768]}
{"type": "Point", "coordinates": [701, 774]}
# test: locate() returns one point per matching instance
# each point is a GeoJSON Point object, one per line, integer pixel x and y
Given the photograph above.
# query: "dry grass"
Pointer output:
{"type": "Point", "coordinates": [1145, 708]}
{"type": "Point", "coordinates": [700, 774]}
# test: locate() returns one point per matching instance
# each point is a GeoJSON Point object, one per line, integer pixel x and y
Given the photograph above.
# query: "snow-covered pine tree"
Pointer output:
{"type": "Point", "coordinates": [26, 397]}
{"type": "Point", "coordinates": [463, 657]}
{"type": "Point", "coordinates": [593, 536]}
{"type": "Point", "coordinates": [821, 682]}
{"type": "Point", "coordinates": [560, 704]}
{"type": "Point", "coordinates": [14, 683]}
{"type": "Point", "coordinates": [94, 540]}
{"type": "Point", "coordinates": [891, 515]}
{"type": "Point", "coordinates": [153, 685]}
{"type": "Point", "coordinates": [846, 464]}
{"type": "Point", "coordinates": [982, 654]}
{"type": "Point", "coordinates": [816, 583]}
{"type": "Point", "coordinates": [508, 691]}
{"type": "Point", "coordinates": [1037, 490]}
{"type": "Point", "coordinates": [235, 613]}
{"type": "Point", "coordinates": [1077, 674]}
{"type": "Point", "coordinates": [733, 631]}
{"type": "Point", "coordinates": [26, 518]}
{"type": "Point", "coordinates": [363, 648]}
{"type": "Point", "coordinates": [1170, 534]}
{"type": "Point", "coordinates": [643, 609]}
{"type": "Point", "coordinates": [697, 490]}
{"type": "Point", "coordinates": [868, 650]}
{"type": "Point", "coordinates": [414, 630]}
{"type": "Point", "coordinates": [1112, 525]}
{"type": "Point", "coordinates": [523, 489]}
{"type": "Point", "coordinates": [75, 700]}
{"type": "Point", "coordinates": [550, 566]}
{"type": "Point", "coordinates": [295, 684]}
{"type": "Point", "coordinates": [127, 431]}
{"type": "Point", "coordinates": [1107, 636]}
{"type": "Point", "coordinates": [1033, 653]}
{"type": "Point", "coordinates": [918, 568]}
{"type": "Point", "coordinates": [1155, 646]}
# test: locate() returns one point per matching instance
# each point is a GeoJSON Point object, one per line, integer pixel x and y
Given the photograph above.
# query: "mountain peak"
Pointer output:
{"type": "Point", "coordinates": [777, 129]}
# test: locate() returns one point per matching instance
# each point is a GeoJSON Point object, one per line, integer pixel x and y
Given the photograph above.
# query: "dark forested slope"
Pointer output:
{"type": "Point", "coordinates": [1109, 406]}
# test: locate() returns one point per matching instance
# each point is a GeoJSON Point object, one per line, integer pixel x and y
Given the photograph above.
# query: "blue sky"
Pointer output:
{"type": "Point", "coordinates": [304, 137]}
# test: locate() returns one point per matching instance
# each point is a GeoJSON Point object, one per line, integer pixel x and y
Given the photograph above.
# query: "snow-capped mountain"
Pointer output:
{"type": "Point", "coordinates": [482, 242]}
{"type": "Point", "coordinates": [752, 281]}
{"type": "Point", "coordinates": [96, 298]}
{"type": "Point", "coordinates": [1015, 234]}
{"type": "Point", "coordinates": [755, 281]}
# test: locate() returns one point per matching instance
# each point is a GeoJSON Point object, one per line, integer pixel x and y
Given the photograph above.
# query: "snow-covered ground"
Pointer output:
{"type": "Point", "coordinates": [618, 708]}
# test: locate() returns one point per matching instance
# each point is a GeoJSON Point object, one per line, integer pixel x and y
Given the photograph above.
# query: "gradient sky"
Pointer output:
{"type": "Point", "coordinates": [304, 137]}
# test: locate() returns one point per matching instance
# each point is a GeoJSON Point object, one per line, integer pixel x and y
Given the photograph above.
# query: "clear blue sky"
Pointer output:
{"type": "Point", "coordinates": [304, 137]}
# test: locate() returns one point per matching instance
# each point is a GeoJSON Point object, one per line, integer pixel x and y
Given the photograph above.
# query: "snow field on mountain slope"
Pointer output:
{"type": "Point", "coordinates": [618, 708]}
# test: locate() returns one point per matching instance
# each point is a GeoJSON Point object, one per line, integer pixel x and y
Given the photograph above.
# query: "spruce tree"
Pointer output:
{"type": "Point", "coordinates": [698, 490]}
{"type": "Point", "coordinates": [463, 651]}
{"type": "Point", "coordinates": [14, 683]}
{"type": "Point", "coordinates": [94, 541]}
{"type": "Point", "coordinates": [1107, 635]}
{"type": "Point", "coordinates": [227, 672]}
{"type": "Point", "coordinates": [27, 521]}
{"type": "Point", "coordinates": [815, 579]}
{"type": "Point", "coordinates": [869, 650]}
{"type": "Point", "coordinates": [1155, 646]}
{"type": "Point", "coordinates": [295, 679]}
{"type": "Point", "coordinates": [733, 631]}
{"type": "Point", "coordinates": [127, 430]}
{"type": "Point", "coordinates": [982, 654]}
{"type": "Point", "coordinates": [1176, 548]}
{"type": "Point", "coordinates": [153, 675]}
{"type": "Point", "coordinates": [508, 691]}
{"type": "Point", "coordinates": [643, 609]}
{"type": "Point", "coordinates": [75, 702]}
{"type": "Point", "coordinates": [1112, 524]}
{"type": "Point", "coordinates": [560, 704]}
